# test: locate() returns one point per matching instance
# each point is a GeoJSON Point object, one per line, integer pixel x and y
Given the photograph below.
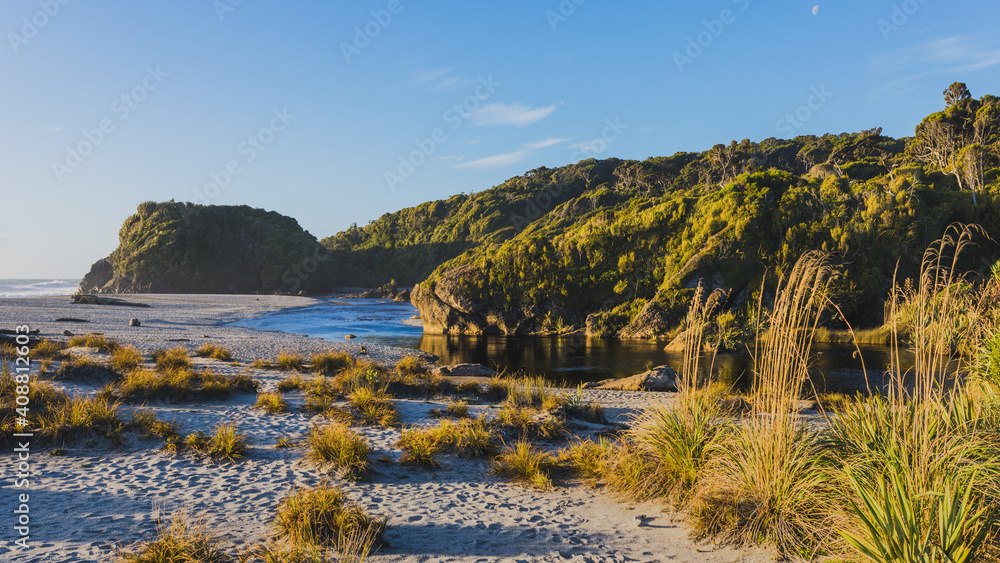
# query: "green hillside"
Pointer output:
{"type": "Point", "coordinates": [616, 247]}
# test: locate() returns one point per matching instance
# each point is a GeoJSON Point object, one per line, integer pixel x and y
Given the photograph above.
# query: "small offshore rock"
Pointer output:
{"type": "Point", "coordinates": [349, 336]}
{"type": "Point", "coordinates": [67, 333]}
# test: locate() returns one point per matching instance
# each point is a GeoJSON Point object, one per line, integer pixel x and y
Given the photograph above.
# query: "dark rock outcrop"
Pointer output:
{"type": "Point", "coordinates": [387, 291]}
{"type": "Point", "coordinates": [185, 248]}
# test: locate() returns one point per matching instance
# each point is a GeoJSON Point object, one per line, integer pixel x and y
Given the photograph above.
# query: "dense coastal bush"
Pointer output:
{"type": "Point", "coordinates": [186, 248]}
{"type": "Point", "coordinates": [614, 247]}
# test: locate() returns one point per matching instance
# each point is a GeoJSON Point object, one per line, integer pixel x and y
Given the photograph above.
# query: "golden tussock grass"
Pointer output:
{"type": "Point", "coordinates": [214, 351]}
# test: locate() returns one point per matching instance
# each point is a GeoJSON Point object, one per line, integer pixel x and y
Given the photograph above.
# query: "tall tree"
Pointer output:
{"type": "Point", "coordinates": [956, 94]}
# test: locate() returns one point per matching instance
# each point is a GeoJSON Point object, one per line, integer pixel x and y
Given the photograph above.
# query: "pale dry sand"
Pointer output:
{"type": "Point", "coordinates": [95, 497]}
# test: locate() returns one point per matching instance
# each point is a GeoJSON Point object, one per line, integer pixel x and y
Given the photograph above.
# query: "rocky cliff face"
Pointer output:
{"type": "Point", "coordinates": [184, 248]}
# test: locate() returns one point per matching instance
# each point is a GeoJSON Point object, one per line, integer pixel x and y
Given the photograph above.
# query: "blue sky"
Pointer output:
{"type": "Point", "coordinates": [338, 112]}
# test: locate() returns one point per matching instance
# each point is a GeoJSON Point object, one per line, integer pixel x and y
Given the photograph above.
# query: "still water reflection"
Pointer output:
{"type": "Point", "coordinates": [570, 359]}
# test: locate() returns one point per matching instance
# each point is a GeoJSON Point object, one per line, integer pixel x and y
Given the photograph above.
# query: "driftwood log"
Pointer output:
{"type": "Point", "coordinates": [87, 299]}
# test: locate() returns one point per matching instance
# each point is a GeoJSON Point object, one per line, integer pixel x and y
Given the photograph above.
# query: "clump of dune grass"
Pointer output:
{"type": "Point", "coordinates": [275, 552]}
{"type": "Point", "coordinates": [46, 349]}
{"type": "Point", "coordinates": [261, 364]}
{"type": "Point", "coordinates": [79, 368]}
{"type": "Point", "coordinates": [420, 448]}
{"type": "Point", "coordinates": [338, 445]}
{"type": "Point", "coordinates": [125, 359]}
{"type": "Point", "coordinates": [181, 540]}
{"type": "Point", "coordinates": [410, 365]}
{"type": "Point", "coordinates": [94, 340]}
{"type": "Point", "coordinates": [526, 464]}
{"type": "Point", "coordinates": [271, 403]}
{"type": "Point", "coordinates": [55, 416]}
{"type": "Point", "coordinates": [768, 483]}
{"type": "Point", "coordinates": [292, 384]}
{"type": "Point", "coordinates": [921, 461]}
{"type": "Point", "coordinates": [529, 422]}
{"type": "Point", "coordinates": [321, 393]}
{"type": "Point", "coordinates": [220, 386]}
{"type": "Point", "coordinates": [215, 351]}
{"type": "Point", "coordinates": [455, 409]}
{"type": "Point", "coordinates": [470, 437]}
{"type": "Point", "coordinates": [329, 363]}
{"type": "Point", "coordinates": [148, 385]}
{"type": "Point", "coordinates": [589, 459]}
{"type": "Point", "coordinates": [577, 406]}
{"type": "Point", "coordinates": [146, 422]}
{"type": "Point", "coordinates": [375, 406]}
{"type": "Point", "coordinates": [672, 446]}
{"type": "Point", "coordinates": [177, 384]}
{"type": "Point", "coordinates": [324, 516]}
{"type": "Point", "coordinates": [82, 415]}
{"type": "Point", "coordinates": [224, 443]}
{"type": "Point", "coordinates": [172, 359]}
{"type": "Point", "coordinates": [287, 361]}
{"type": "Point", "coordinates": [197, 441]}
{"type": "Point", "coordinates": [227, 443]}
{"type": "Point", "coordinates": [533, 392]}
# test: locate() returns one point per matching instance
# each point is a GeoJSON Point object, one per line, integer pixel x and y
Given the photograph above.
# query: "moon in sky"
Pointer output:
{"type": "Point", "coordinates": [816, 10]}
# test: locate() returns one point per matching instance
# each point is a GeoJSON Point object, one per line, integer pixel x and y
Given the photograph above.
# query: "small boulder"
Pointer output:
{"type": "Point", "coordinates": [661, 378]}
{"type": "Point", "coordinates": [349, 336]}
{"type": "Point", "coordinates": [134, 322]}
{"type": "Point", "coordinates": [67, 333]}
{"type": "Point", "coordinates": [465, 370]}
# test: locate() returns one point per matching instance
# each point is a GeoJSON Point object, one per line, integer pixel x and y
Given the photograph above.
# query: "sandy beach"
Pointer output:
{"type": "Point", "coordinates": [97, 496]}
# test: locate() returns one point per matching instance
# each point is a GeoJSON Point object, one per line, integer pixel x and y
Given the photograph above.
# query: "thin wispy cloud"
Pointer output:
{"type": "Point", "coordinates": [496, 161]}
{"type": "Point", "coordinates": [510, 158]}
{"type": "Point", "coordinates": [438, 80]}
{"type": "Point", "coordinates": [425, 76]}
{"type": "Point", "coordinates": [947, 56]}
{"type": "Point", "coordinates": [544, 144]}
{"type": "Point", "coordinates": [510, 114]}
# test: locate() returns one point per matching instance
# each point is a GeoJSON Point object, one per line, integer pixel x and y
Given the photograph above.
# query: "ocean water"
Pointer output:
{"type": "Point", "coordinates": [37, 288]}
{"type": "Point", "coordinates": [379, 321]}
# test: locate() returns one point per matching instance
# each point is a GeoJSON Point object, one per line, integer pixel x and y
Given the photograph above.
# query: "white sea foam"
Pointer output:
{"type": "Point", "coordinates": [37, 288]}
